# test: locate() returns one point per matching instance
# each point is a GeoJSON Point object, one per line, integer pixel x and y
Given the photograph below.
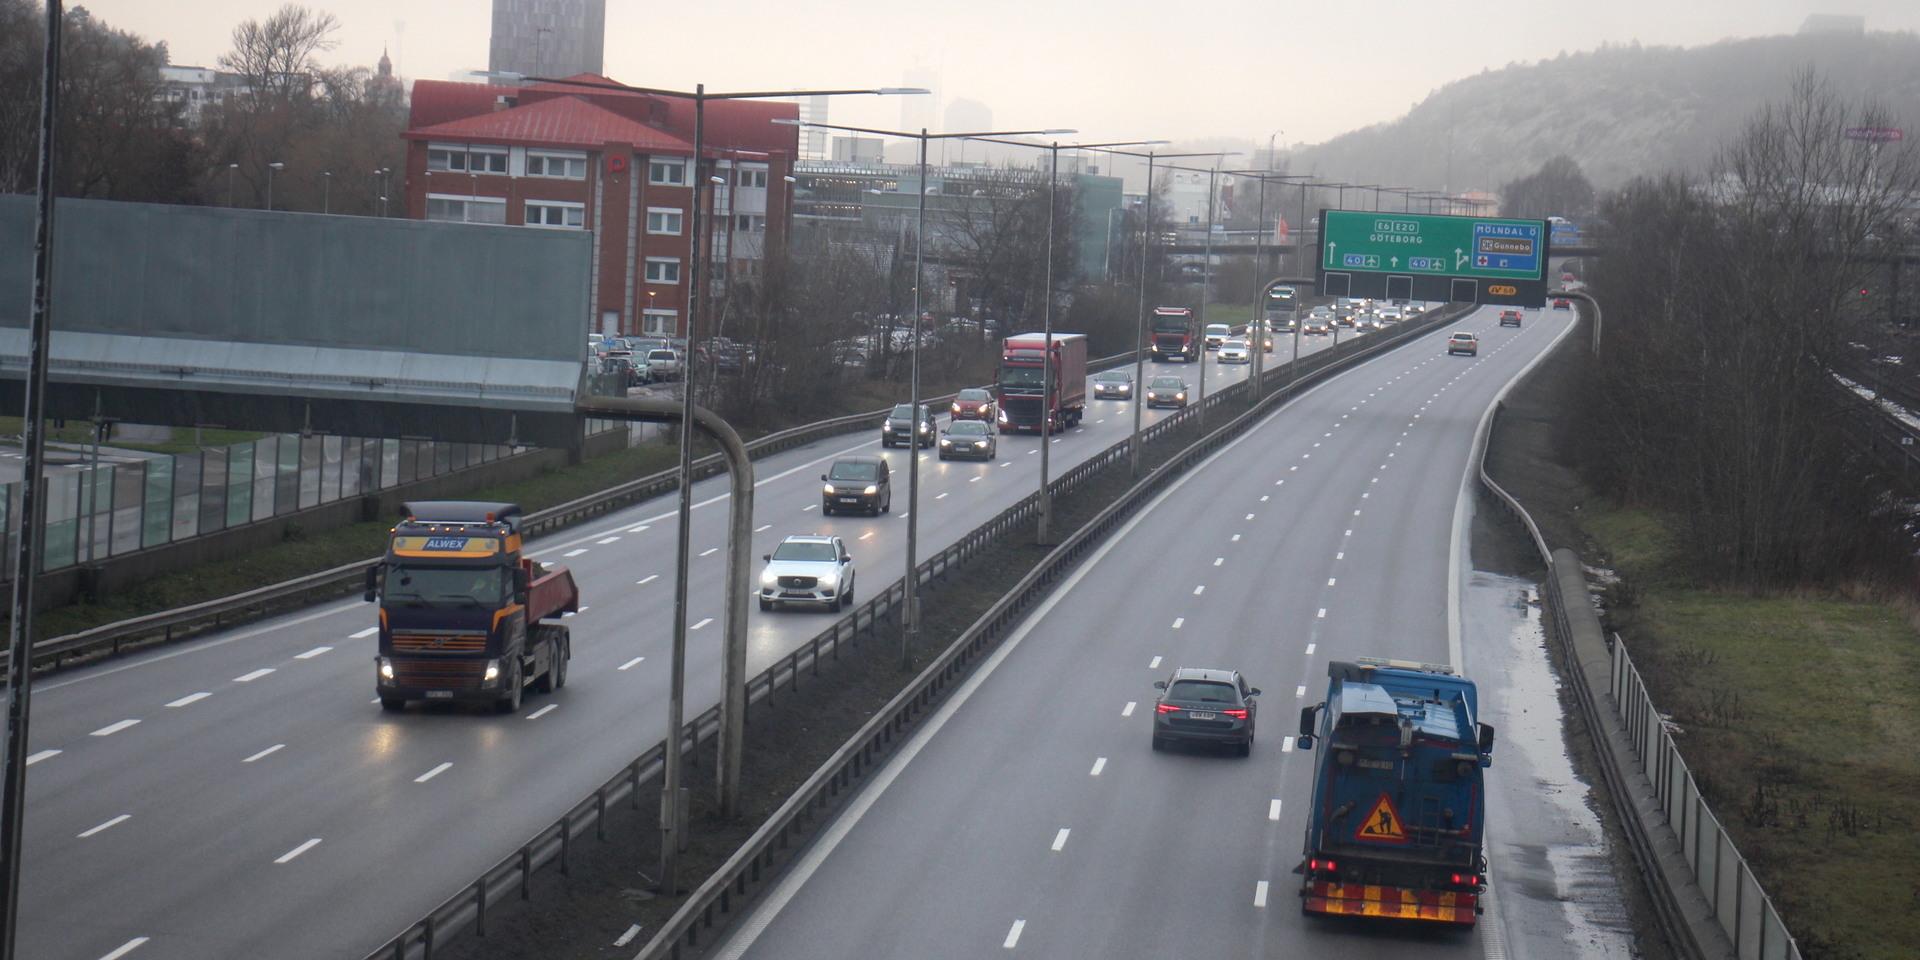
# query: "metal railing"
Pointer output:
{"type": "Point", "coordinates": [1733, 896]}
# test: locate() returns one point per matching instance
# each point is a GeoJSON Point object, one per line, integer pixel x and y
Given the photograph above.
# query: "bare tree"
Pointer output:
{"type": "Point", "coordinates": [278, 57]}
{"type": "Point", "coordinates": [1558, 188]}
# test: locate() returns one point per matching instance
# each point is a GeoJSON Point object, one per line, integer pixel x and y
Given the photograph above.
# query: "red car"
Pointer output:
{"type": "Point", "coordinates": [1509, 318]}
{"type": "Point", "coordinates": [973, 404]}
{"type": "Point", "coordinates": [1562, 303]}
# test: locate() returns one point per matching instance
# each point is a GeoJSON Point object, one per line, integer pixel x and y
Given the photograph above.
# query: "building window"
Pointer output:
{"type": "Point", "coordinates": [670, 173]}
{"type": "Point", "coordinates": [663, 269]}
{"type": "Point", "coordinates": [750, 223]}
{"type": "Point", "coordinates": [660, 323]}
{"type": "Point", "coordinates": [556, 213]}
{"type": "Point", "coordinates": [558, 165]}
{"type": "Point", "coordinates": [750, 178]}
{"type": "Point", "coordinates": [466, 158]}
{"type": "Point", "coordinates": [466, 209]}
{"type": "Point", "coordinates": [664, 220]}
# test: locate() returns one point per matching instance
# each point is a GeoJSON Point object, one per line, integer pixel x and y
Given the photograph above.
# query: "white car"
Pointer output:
{"type": "Point", "coordinates": [1235, 351]}
{"type": "Point", "coordinates": [664, 364]}
{"type": "Point", "coordinates": [808, 569]}
{"type": "Point", "coordinates": [1216, 334]}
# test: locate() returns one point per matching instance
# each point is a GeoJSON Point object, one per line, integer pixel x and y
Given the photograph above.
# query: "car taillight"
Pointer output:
{"type": "Point", "coordinates": [1165, 708]}
{"type": "Point", "coordinates": [1236, 714]}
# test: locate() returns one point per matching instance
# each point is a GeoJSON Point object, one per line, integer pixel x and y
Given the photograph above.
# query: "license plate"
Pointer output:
{"type": "Point", "coordinates": [439, 694]}
{"type": "Point", "coordinates": [849, 499]}
{"type": "Point", "coordinates": [1198, 715]}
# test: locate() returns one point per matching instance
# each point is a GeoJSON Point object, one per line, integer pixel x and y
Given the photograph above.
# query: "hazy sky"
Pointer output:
{"type": "Point", "coordinates": [1115, 69]}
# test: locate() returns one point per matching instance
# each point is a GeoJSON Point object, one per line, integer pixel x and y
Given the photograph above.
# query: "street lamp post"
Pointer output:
{"type": "Point", "coordinates": [910, 620]}
{"type": "Point", "coordinates": [232, 168]}
{"type": "Point", "coordinates": [326, 191]}
{"type": "Point", "coordinates": [733, 666]}
{"type": "Point", "coordinates": [271, 169]}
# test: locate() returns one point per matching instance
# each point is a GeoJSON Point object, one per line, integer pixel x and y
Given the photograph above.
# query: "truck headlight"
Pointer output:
{"type": "Point", "coordinates": [386, 669]}
{"type": "Point", "coordinates": [828, 490]}
{"type": "Point", "coordinates": [493, 671]}
{"type": "Point", "coordinates": [871, 489]}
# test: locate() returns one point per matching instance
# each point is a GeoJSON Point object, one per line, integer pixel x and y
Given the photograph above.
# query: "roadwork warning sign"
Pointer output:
{"type": "Point", "coordinates": [1383, 824]}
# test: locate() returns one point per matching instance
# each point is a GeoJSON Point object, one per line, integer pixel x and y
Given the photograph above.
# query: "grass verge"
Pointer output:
{"type": "Point", "coordinates": [1799, 712]}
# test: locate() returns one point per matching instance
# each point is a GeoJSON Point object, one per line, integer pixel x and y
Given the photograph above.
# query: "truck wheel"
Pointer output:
{"type": "Point", "coordinates": [511, 702]}
{"type": "Point", "coordinates": [560, 665]}
{"type": "Point", "coordinates": [392, 704]}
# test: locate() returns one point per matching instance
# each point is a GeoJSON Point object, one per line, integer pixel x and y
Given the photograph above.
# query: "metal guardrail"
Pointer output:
{"type": "Point", "coordinates": [167, 626]}
{"type": "Point", "coordinates": [1733, 897]}
{"type": "Point", "coordinates": [867, 747]}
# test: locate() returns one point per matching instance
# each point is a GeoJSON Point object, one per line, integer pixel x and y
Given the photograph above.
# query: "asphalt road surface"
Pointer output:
{"type": "Point", "coordinates": [1030, 815]}
{"type": "Point", "coordinates": [242, 796]}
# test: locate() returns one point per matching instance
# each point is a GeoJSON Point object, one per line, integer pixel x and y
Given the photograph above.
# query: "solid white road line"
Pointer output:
{"type": "Point", "coordinates": [264, 753]}
{"type": "Point", "coordinates": [543, 711]}
{"type": "Point", "coordinates": [1273, 809]}
{"type": "Point", "coordinates": [626, 938]}
{"type": "Point", "coordinates": [113, 728]}
{"type": "Point", "coordinates": [1153, 664]}
{"type": "Point", "coordinates": [606, 540]}
{"type": "Point", "coordinates": [763, 528]}
{"type": "Point", "coordinates": [575, 552]}
{"type": "Point", "coordinates": [1013, 934]}
{"type": "Point", "coordinates": [1260, 894]}
{"type": "Point", "coordinates": [710, 551]}
{"type": "Point", "coordinates": [296, 851]}
{"type": "Point", "coordinates": [93, 830]}
{"type": "Point", "coordinates": [255, 675]}
{"type": "Point", "coordinates": [310, 654]}
{"type": "Point", "coordinates": [1099, 764]}
{"type": "Point", "coordinates": [702, 623]}
{"type": "Point", "coordinates": [630, 664]}
{"type": "Point", "coordinates": [124, 949]}
{"type": "Point", "coordinates": [430, 774]}
{"type": "Point", "coordinates": [1127, 711]}
{"type": "Point", "coordinates": [190, 698]}
{"type": "Point", "coordinates": [1060, 840]}
{"type": "Point", "coordinates": [867, 536]}
{"type": "Point", "coordinates": [651, 577]}
{"type": "Point", "coordinates": [42, 755]}
{"type": "Point", "coordinates": [368, 632]}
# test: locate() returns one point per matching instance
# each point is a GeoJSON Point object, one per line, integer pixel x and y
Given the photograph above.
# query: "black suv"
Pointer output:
{"type": "Point", "coordinates": [1214, 706]}
{"type": "Point", "coordinates": [899, 427]}
{"type": "Point", "coordinates": [857, 483]}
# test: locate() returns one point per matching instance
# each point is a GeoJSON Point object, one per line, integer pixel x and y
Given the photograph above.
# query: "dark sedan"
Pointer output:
{"type": "Point", "coordinates": [902, 426]}
{"type": "Point", "coordinates": [968, 440]}
{"type": "Point", "coordinates": [1166, 392]}
{"type": "Point", "coordinates": [1114, 384]}
{"type": "Point", "coordinates": [1208, 706]}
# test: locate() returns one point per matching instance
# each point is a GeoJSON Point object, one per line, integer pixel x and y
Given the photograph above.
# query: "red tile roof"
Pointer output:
{"type": "Point", "coordinates": [558, 114]}
{"type": "Point", "coordinates": [561, 121]}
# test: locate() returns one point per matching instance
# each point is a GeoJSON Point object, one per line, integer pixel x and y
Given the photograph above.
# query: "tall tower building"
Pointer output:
{"type": "Point", "coordinates": [548, 38]}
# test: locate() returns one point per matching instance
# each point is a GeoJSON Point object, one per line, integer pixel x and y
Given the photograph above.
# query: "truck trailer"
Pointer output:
{"type": "Point", "coordinates": [462, 613]}
{"type": "Point", "coordinates": [1023, 403]}
{"type": "Point", "coordinates": [1396, 829]}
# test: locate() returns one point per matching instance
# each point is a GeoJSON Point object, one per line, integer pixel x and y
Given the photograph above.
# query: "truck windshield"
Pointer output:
{"type": "Point", "coordinates": [482, 586]}
{"type": "Point", "coordinates": [1170, 324]}
{"type": "Point", "coordinates": [1022, 378]}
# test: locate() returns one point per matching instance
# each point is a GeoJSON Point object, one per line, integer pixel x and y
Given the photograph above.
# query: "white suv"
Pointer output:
{"type": "Point", "coordinates": [808, 569]}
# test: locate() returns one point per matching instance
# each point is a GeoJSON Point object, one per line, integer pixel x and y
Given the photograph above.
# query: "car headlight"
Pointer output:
{"type": "Point", "coordinates": [828, 490]}
{"type": "Point", "coordinates": [386, 669]}
{"type": "Point", "coordinates": [1179, 396]}
{"type": "Point", "coordinates": [924, 428]}
{"type": "Point", "coordinates": [871, 489]}
{"type": "Point", "coordinates": [493, 670]}
{"type": "Point", "coordinates": [767, 579]}
{"type": "Point", "coordinates": [956, 408]}
{"type": "Point", "coordinates": [982, 444]}
{"type": "Point", "coordinates": [1152, 396]}
{"type": "Point", "coordinates": [946, 442]}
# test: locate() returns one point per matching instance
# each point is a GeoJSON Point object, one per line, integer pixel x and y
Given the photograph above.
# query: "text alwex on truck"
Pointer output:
{"type": "Point", "coordinates": [461, 609]}
{"type": "Point", "coordinates": [1176, 334]}
{"type": "Point", "coordinates": [1022, 400]}
{"type": "Point", "coordinates": [1396, 827]}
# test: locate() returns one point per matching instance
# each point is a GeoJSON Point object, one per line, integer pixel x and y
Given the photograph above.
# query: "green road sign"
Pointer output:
{"type": "Point", "coordinates": [1483, 248]}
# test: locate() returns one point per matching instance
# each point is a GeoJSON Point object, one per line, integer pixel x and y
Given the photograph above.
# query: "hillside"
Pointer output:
{"type": "Point", "coordinates": [1620, 111]}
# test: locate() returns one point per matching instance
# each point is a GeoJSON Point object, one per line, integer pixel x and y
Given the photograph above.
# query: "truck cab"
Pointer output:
{"type": "Point", "coordinates": [1399, 809]}
{"type": "Point", "coordinates": [461, 610]}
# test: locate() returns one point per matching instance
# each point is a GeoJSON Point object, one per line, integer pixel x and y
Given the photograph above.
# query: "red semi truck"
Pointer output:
{"type": "Point", "coordinates": [1176, 334]}
{"type": "Point", "coordinates": [1023, 405]}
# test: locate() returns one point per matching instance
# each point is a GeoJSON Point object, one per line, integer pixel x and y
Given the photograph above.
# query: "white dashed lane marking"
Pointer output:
{"type": "Point", "coordinates": [110, 823]}
{"type": "Point", "coordinates": [190, 698]}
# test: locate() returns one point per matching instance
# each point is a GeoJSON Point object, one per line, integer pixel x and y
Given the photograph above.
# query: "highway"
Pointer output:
{"type": "Point", "coordinates": [1029, 815]}
{"type": "Point", "coordinates": [243, 796]}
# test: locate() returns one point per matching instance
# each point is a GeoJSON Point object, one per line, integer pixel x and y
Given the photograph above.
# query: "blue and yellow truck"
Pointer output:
{"type": "Point", "coordinates": [462, 613]}
{"type": "Point", "coordinates": [1399, 807]}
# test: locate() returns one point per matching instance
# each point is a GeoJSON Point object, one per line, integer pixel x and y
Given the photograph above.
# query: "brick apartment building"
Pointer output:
{"type": "Point", "coordinates": [615, 163]}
